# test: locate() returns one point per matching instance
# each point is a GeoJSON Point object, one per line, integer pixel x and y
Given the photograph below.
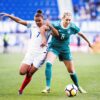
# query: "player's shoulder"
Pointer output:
{"type": "Point", "coordinates": [73, 25]}
{"type": "Point", "coordinates": [31, 24]}
{"type": "Point", "coordinates": [45, 27]}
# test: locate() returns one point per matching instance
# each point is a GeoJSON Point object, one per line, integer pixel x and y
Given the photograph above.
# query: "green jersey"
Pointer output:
{"type": "Point", "coordinates": [63, 40]}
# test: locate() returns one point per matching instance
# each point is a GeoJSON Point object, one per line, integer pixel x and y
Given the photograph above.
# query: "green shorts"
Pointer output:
{"type": "Point", "coordinates": [63, 55]}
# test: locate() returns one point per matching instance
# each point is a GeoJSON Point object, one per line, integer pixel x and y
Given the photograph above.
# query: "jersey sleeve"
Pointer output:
{"type": "Point", "coordinates": [75, 28]}
{"type": "Point", "coordinates": [29, 24]}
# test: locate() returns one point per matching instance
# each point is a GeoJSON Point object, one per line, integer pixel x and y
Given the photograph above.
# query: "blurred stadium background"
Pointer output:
{"type": "Point", "coordinates": [86, 14]}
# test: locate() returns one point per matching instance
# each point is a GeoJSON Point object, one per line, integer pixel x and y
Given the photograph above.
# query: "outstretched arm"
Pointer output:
{"type": "Point", "coordinates": [16, 19]}
{"type": "Point", "coordinates": [80, 34]}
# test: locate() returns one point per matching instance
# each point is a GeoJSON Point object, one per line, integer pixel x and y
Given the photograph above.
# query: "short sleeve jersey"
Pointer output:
{"type": "Point", "coordinates": [64, 35]}
{"type": "Point", "coordinates": [36, 38]}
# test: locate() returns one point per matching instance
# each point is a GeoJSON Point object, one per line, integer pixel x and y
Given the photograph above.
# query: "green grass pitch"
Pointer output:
{"type": "Point", "coordinates": [87, 68]}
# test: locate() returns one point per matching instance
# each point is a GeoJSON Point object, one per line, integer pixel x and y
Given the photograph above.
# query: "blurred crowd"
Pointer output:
{"type": "Point", "coordinates": [13, 34]}
{"type": "Point", "coordinates": [86, 9]}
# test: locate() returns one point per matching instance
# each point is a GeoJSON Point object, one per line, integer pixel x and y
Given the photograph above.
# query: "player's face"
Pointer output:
{"type": "Point", "coordinates": [39, 21]}
{"type": "Point", "coordinates": [67, 19]}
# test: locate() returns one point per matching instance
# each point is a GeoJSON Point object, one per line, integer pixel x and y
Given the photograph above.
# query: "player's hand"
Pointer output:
{"type": "Point", "coordinates": [90, 46]}
{"type": "Point", "coordinates": [47, 23]}
{"type": "Point", "coordinates": [3, 15]}
{"type": "Point", "coordinates": [44, 42]}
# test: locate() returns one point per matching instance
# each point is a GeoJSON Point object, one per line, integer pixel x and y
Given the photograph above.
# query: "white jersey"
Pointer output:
{"type": "Point", "coordinates": [36, 54]}
{"type": "Point", "coordinates": [36, 39]}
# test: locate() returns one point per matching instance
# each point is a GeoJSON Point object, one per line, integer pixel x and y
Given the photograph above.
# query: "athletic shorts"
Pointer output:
{"type": "Point", "coordinates": [36, 59]}
{"type": "Point", "coordinates": [63, 55]}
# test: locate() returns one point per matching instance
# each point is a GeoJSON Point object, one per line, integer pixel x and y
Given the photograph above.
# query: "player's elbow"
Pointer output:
{"type": "Point", "coordinates": [80, 34]}
{"type": "Point", "coordinates": [55, 33]}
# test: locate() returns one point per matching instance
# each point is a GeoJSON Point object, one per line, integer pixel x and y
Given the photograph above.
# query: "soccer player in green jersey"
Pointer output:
{"type": "Point", "coordinates": [59, 47]}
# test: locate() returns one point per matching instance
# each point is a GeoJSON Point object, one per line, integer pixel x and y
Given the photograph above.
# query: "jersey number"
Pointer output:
{"type": "Point", "coordinates": [62, 36]}
{"type": "Point", "coordinates": [38, 34]}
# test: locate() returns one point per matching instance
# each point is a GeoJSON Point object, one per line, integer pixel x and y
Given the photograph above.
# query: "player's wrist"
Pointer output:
{"type": "Point", "coordinates": [50, 26]}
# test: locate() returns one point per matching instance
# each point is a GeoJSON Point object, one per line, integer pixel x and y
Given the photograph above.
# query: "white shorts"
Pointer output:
{"type": "Point", "coordinates": [37, 59]}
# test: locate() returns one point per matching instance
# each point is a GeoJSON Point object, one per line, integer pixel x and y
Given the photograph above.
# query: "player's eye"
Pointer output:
{"type": "Point", "coordinates": [38, 20]}
{"type": "Point", "coordinates": [68, 19]}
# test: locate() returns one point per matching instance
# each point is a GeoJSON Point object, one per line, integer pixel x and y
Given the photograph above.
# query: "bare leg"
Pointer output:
{"type": "Point", "coordinates": [29, 71]}
{"type": "Point", "coordinates": [24, 69]}
{"type": "Point", "coordinates": [71, 69]}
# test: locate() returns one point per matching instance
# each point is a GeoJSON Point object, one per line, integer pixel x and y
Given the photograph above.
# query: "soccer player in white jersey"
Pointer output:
{"type": "Point", "coordinates": [37, 50]}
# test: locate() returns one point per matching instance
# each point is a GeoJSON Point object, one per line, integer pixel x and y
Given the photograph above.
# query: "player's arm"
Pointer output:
{"type": "Point", "coordinates": [42, 32]}
{"type": "Point", "coordinates": [16, 19]}
{"type": "Point", "coordinates": [84, 37]}
{"type": "Point", "coordinates": [54, 31]}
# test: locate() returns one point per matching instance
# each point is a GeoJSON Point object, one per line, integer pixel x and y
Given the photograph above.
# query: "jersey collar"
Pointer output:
{"type": "Point", "coordinates": [61, 23]}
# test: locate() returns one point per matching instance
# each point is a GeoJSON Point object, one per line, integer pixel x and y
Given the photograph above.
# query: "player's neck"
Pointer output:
{"type": "Point", "coordinates": [64, 25]}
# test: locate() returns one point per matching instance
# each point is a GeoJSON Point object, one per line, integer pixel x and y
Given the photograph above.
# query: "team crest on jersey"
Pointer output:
{"type": "Point", "coordinates": [68, 31]}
